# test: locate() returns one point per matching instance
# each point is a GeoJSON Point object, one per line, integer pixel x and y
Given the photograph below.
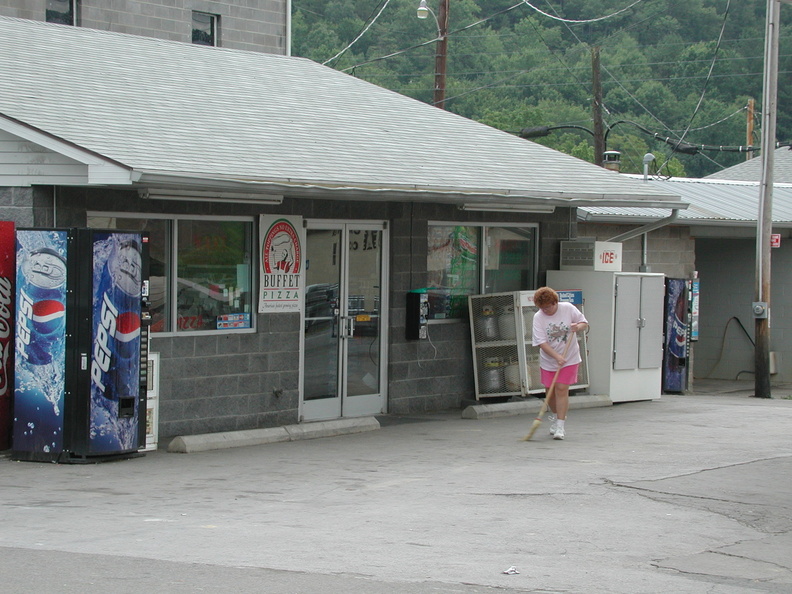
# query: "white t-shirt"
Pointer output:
{"type": "Point", "coordinates": [555, 330]}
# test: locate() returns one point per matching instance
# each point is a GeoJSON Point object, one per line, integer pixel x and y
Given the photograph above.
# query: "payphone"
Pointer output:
{"type": "Point", "coordinates": [417, 313]}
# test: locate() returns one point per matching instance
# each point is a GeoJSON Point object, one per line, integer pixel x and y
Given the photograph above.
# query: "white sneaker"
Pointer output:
{"type": "Point", "coordinates": [553, 423]}
{"type": "Point", "coordinates": [559, 433]}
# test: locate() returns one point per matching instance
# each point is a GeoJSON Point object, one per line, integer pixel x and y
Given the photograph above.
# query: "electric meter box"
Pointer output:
{"type": "Point", "coordinates": [591, 255]}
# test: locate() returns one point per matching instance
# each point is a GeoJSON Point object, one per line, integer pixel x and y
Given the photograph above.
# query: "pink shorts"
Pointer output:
{"type": "Point", "coordinates": [567, 376]}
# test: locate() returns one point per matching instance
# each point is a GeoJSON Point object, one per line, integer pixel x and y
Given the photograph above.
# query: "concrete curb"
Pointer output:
{"type": "Point", "coordinates": [187, 444]}
{"type": "Point", "coordinates": [506, 409]}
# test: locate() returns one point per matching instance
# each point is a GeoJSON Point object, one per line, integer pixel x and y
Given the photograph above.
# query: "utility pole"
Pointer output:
{"type": "Point", "coordinates": [596, 107]}
{"type": "Point", "coordinates": [764, 221]}
{"type": "Point", "coordinates": [441, 55]}
{"type": "Point", "coordinates": [749, 127]}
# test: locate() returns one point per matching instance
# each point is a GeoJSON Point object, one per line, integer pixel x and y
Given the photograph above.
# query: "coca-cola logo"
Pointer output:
{"type": "Point", "coordinates": [6, 297]}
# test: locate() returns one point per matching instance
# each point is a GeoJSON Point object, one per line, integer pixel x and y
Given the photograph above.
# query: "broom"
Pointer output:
{"type": "Point", "coordinates": [543, 410]}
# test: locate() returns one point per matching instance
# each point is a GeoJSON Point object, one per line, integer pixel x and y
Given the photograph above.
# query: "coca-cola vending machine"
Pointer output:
{"type": "Point", "coordinates": [81, 344]}
{"type": "Point", "coordinates": [7, 275]}
{"type": "Point", "coordinates": [677, 338]}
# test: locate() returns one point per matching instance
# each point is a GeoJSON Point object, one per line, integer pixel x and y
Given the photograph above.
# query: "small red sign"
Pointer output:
{"type": "Point", "coordinates": [775, 240]}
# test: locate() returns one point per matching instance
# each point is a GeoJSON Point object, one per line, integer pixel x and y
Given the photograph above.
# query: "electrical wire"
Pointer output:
{"type": "Point", "coordinates": [723, 345]}
{"type": "Point", "coordinates": [707, 80]}
{"type": "Point", "coordinates": [556, 18]}
{"type": "Point", "coordinates": [728, 117]}
{"type": "Point", "coordinates": [361, 34]}
{"type": "Point", "coordinates": [633, 97]}
{"type": "Point", "coordinates": [448, 34]}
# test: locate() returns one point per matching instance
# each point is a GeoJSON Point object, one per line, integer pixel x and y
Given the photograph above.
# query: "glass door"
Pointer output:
{"type": "Point", "coordinates": [344, 329]}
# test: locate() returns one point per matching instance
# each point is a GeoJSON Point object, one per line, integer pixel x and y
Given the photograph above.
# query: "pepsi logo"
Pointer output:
{"type": "Point", "coordinates": [127, 327]}
{"type": "Point", "coordinates": [47, 311]}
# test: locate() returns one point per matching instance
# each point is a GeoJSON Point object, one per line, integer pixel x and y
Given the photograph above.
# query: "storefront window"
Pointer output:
{"type": "Point", "coordinates": [460, 263]}
{"type": "Point", "coordinates": [212, 265]}
{"type": "Point", "coordinates": [453, 269]}
{"type": "Point", "coordinates": [213, 282]}
{"type": "Point", "coordinates": [510, 259]}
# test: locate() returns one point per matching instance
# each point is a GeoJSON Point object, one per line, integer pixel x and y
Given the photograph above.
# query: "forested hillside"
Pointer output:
{"type": "Point", "coordinates": [684, 69]}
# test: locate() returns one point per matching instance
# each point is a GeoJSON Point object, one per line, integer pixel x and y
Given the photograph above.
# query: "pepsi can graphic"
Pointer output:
{"type": "Point", "coordinates": [40, 338]}
{"type": "Point", "coordinates": [42, 304]}
{"type": "Point", "coordinates": [116, 335]}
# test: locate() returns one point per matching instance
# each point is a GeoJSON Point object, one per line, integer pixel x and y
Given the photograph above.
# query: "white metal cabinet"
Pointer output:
{"type": "Point", "coordinates": [625, 311]}
{"type": "Point", "coordinates": [505, 363]}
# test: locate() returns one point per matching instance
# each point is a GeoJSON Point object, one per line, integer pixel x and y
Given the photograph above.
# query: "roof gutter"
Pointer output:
{"type": "Point", "coordinates": [471, 197]}
{"type": "Point", "coordinates": [648, 158]}
{"type": "Point", "coordinates": [647, 228]}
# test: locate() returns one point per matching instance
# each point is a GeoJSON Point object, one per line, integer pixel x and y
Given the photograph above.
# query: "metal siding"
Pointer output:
{"type": "Point", "coordinates": [25, 163]}
{"type": "Point", "coordinates": [751, 170]}
{"type": "Point", "coordinates": [710, 202]}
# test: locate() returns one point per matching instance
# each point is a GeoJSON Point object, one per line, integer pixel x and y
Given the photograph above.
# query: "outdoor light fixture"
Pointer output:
{"type": "Point", "coordinates": [203, 196]}
{"type": "Point", "coordinates": [507, 207]}
{"type": "Point", "coordinates": [423, 10]}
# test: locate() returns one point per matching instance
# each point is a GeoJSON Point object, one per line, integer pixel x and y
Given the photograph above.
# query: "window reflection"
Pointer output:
{"type": "Point", "coordinates": [204, 28]}
{"type": "Point", "coordinates": [510, 259]}
{"type": "Point", "coordinates": [452, 269]}
{"type": "Point", "coordinates": [213, 284]}
{"type": "Point", "coordinates": [60, 11]}
{"type": "Point", "coordinates": [459, 262]}
{"type": "Point", "coordinates": [212, 263]}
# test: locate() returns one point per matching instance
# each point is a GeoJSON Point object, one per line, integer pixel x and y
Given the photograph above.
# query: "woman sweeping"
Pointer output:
{"type": "Point", "coordinates": [553, 326]}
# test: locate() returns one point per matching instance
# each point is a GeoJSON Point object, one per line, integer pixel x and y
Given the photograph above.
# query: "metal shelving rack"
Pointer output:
{"type": "Point", "coordinates": [505, 363]}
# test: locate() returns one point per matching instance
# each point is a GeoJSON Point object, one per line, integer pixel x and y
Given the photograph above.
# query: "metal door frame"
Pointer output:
{"type": "Point", "coordinates": [343, 406]}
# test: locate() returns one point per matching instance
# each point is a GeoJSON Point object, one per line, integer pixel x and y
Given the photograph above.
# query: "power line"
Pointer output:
{"type": "Point", "coordinates": [633, 97]}
{"type": "Point", "coordinates": [547, 69]}
{"type": "Point", "coordinates": [361, 34]}
{"type": "Point", "coordinates": [448, 34]}
{"type": "Point", "coordinates": [556, 18]}
{"type": "Point", "coordinates": [709, 76]}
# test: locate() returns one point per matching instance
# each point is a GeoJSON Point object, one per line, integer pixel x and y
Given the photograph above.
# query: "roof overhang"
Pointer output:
{"type": "Point", "coordinates": [101, 170]}
{"type": "Point", "coordinates": [497, 199]}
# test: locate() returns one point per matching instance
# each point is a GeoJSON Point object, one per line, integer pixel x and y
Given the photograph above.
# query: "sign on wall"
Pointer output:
{"type": "Point", "coordinates": [282, 241]}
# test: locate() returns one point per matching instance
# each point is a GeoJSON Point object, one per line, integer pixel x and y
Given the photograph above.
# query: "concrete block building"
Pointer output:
{"type": "Point", "coordinates": [378, 194]}
{"type": "Point", "coordinates": [261, 26]}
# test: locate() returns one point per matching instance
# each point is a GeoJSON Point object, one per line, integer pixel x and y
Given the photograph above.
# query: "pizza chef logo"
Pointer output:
{"type": "Point", "coordinates": [281, 253]}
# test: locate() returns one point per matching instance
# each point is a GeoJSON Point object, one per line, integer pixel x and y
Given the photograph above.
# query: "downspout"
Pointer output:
{"type": "Point", "coordinates": [646, 229]}
{"type": "Point", "coordinates": [288, 35]}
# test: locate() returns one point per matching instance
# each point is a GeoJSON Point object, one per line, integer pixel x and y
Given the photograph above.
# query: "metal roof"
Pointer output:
{"type": "Point", "coordinates": [711, 202]}
{"type": "Point", "coordinates": [186, 115]}
{"type": "Point", "coordinates": [751, 170]}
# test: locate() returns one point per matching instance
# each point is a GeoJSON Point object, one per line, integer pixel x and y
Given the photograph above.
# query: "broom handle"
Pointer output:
{"type": "Point", "coordinates": [571, 336]}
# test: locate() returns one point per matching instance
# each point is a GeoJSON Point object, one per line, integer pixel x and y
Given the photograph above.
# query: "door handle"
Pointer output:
{"type": "Point", "coordinates": [348, 324]}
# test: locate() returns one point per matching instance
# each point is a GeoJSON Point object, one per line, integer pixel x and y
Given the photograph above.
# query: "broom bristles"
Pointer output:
{"type": "Point", "coordinates": [533, 429]}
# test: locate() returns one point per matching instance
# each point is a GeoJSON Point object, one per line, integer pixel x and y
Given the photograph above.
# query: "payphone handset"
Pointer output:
{"type": "Point", "coordinates": [417, 315]}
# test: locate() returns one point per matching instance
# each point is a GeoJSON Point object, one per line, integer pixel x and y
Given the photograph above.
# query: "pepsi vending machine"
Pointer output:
{"type": "Point", "coordinates": [676, 347]}
{"type": "Point", "coordinates": [81, 344]}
